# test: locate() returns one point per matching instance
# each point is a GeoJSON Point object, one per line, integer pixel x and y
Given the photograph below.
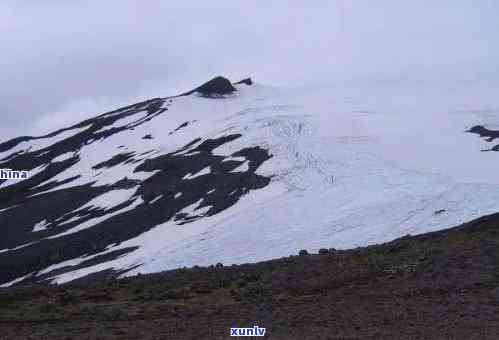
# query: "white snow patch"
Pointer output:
{"type": "Point", "coordinates": [8, 208]}
{"type": "Point", "coordinates": [41, 142]}
{"type": "Point", "coordinates": [42, 225]}
{"type": "Point", "coordinates": [13, 282]}
{"type": "Point", "coordinates": [18, 247]}
{"type": "Point", "coordinates": [201, 172]}
{"type": "Point", "coordinates": [194, 209]}
{"type": "Point", "coordinates": [155, 199]}
{"type": "Point", "coordinates": [63, 157]}
{"type": "Point", "coordinates": [94, 221]}
{"type": "Point", "coordinates": [110, 199]}
{"type": "Point", "coordinates": [244, 167]}
{"type": "Point", "coordinates": [73, 219]}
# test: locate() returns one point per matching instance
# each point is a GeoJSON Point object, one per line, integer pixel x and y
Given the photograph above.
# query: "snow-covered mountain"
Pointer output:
{"type": "Point", "coordinates": [244, 172]}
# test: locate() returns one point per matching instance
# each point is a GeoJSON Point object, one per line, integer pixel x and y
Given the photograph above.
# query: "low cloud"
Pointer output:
{"type": "Point", "coordinates": [63, 61]}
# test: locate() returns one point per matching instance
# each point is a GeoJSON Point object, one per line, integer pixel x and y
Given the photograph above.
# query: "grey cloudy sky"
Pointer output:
{"type": "Point", "coordinates": [63, 60]}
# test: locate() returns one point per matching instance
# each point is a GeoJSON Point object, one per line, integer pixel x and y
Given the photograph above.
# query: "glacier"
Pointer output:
{"type": "Point", "coordinates": [247, 176]}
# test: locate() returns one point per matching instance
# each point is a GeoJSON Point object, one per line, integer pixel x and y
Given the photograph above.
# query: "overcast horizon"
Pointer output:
{"type": "Point", "coordinates": [64, 61]}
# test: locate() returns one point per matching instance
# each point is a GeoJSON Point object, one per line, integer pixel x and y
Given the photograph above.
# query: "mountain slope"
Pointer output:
{"type": "Point", "coordinates": [236, 173]}
{"type": "Point", "coordinates": [440, 285]}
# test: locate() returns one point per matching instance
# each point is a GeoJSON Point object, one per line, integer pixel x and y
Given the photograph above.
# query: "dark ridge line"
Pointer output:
{"type": "Point", "coordinates": [184, 124]}
{"type": "Point", "coordinates": [484, 132]}
{"type": "Point", "coordinates": [9, 144]}
{"type": "Point", "coordinates": [211, 87]}
{"type": "Point", "coordinates": [115, 160]}
{"type": "Point", "coordinates": [246, 81]}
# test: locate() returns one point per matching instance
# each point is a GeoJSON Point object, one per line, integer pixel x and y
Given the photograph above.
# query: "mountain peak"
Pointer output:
{"type": "Point", "coordinates": [215, 87]}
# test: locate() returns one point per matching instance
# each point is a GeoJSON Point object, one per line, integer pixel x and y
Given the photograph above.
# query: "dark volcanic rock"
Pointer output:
{"type": "Point", "coordinates": [181, 126]}
{"type": "Point", "coordinates": [45, 219]}
{"type": "Point", "coordinates": [495, 294]}
{"type": "Point", "coordinates": [438, 212]}
{"type": "Point", "coordinates": [484, 132]}
{"type": "Point", "coordinates": [219, 189]}
{"type": "Point", "coordinates": [216, 87]}
{"type": "Point", "coordinates": [303, 252]}
{"type": "Point", "coordinates": [246, 81]}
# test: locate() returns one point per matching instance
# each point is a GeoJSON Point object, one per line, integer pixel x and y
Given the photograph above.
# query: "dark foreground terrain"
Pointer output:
{"type": "Point", "coordinates": [442, 285]}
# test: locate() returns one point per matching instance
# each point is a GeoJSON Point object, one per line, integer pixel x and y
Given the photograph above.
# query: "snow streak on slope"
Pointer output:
{"type": "Point", "coordinates": [253, 175]}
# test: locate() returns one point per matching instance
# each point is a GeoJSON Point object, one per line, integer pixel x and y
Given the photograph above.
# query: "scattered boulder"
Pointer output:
{"type": "Point", "coordinates": [495, 294]}
{"type": "Point", "coordinates": [303, 252]}
{"type": "Point", "coordinates": [484, 132]}
{"type": "Point", "coordinates": [148, 136]}
{"type": "Point", "coordinates": [323, 251]}
{"type": "Point", "coordinates": [246, 81]}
